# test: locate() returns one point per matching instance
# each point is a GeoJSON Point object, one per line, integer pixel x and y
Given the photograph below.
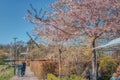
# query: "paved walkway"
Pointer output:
{"type": "Point", "coordinates": [28, 76]}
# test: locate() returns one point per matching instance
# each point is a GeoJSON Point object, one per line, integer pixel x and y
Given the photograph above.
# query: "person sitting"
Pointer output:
{"type": "Point", "coordinates": [114, 76]}
{"type": "Point", "coordinates": [118, 73]}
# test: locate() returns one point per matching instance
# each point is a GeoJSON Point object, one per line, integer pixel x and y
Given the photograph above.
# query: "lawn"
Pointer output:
{"type": "Point", "coordinates": [2, 66]}
{"type": "Point", "coordinates": [7, 74]}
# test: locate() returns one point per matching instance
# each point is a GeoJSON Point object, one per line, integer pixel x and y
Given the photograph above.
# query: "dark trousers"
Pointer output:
{"type": "Point", "coordinates": [22, 72]}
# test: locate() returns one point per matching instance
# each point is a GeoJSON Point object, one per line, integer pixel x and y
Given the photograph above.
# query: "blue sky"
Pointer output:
{"type": "Point", "coordinates": [12, 23]}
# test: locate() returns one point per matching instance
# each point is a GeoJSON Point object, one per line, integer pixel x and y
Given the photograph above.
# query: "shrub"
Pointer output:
{"type": "Point", "coordinates": [51, 77]}
{"type": "Point", "coordinates": [108, 66]}
{"type": "Point", "coordinates": [72, 77]}
{"type": "Point", "coordinates": [75, 77]}
{"type": "Point", "coordinates": [2, 62]}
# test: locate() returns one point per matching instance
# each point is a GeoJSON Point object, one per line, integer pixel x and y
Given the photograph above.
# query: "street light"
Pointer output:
{"type": "Point", "coordinates": [15, 53]}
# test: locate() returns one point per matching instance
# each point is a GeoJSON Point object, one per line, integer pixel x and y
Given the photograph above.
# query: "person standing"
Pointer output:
{"type": "Point", "coordinates": [23, 68]}
{"type": "Point", "coordinates": [19, 70]}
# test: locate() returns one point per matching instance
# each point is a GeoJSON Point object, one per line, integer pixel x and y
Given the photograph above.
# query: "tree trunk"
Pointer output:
{"type": "Point", "coordinates": [60, 63]}
{"type": "Point", "coordinates": [94, 62]}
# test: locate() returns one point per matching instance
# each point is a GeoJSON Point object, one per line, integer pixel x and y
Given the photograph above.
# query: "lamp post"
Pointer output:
{"type": "Point", "coordinates": [15, 54]}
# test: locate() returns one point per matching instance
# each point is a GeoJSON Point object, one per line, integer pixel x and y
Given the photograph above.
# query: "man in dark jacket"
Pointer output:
{"type": "Point", "coordinates": [23, 68]}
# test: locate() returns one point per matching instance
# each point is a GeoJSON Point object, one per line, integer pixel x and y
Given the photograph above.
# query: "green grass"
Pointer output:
{"type": "Point", "coordinates": [2, 66]}
{"type": "Point", "coordinates": [7, 74]}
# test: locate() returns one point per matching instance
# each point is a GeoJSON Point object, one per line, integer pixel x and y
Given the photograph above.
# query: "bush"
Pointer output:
{"type": "Point", "coordinates": [2, 57]}
{"type": "Point", "coordinates": [1, 62]}
{"type": "Point", "coordinates": [75, 77]}
{"type": "Point", "coordinates": [72, 77]}
{"type": "Point", "coordinates": [51, 77]}
{"type": "Point", "coordinates": [108, 66]}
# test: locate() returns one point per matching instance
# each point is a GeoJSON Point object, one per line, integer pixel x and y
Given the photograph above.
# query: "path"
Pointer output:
{"type": "Point", "coordinates": [28, 76]}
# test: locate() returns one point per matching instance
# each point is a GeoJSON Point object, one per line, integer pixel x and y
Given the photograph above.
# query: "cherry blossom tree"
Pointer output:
{"type": "Point", "coordinates": [74, 18]}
